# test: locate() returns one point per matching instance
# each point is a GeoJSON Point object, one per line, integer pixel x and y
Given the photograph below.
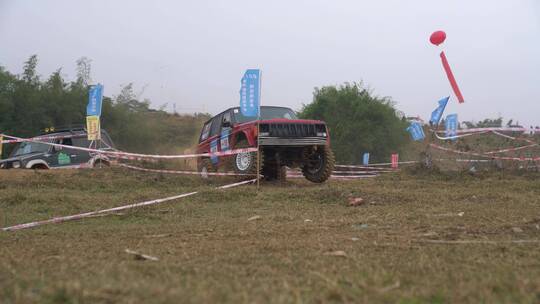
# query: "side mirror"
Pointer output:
{"type": "Point", "coordinates": [226, 124]}
{"type": "Point", "coordinates": [57, 149]}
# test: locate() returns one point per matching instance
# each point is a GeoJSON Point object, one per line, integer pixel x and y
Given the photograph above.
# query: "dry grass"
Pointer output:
{"type": "Point", "coordinates": [209, 252]}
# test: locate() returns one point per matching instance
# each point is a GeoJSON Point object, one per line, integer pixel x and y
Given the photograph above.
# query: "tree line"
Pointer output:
{"type": "Point", "coordinates": [359, 121]}
{"type": "Point", "coordinates": [30, 104]}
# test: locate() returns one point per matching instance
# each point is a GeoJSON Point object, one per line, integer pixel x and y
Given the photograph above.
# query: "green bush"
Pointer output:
{"type": "Point", "coordinates": [359, 122]}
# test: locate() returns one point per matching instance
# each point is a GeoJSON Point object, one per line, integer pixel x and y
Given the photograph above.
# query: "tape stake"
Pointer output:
{"type": "Point", "coordinates": [395, 161]}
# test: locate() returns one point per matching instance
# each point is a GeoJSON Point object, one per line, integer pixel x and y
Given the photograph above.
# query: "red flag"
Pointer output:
{"type": "Point", "coordinates": [451, 78]}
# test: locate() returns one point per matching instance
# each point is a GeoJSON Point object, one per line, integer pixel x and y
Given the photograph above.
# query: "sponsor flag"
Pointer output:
{"type": "Point", "coordinates": [95, 97]}
{"type": "Point", "coordinates": [451, 125]}
{"type": "Point", "coordinates": [416, 131]}
{"type": "Point", "coordinates": [250, 93]}
{"type": "Point", "coordinates": [437, 114]}
{"type": "Point", "coordinates": [365, 159]}
{"type": "Point", "coordinates": [93, 128]}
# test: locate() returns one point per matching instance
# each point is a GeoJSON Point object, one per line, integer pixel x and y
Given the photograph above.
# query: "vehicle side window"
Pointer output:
{"type": "Point", "coordinates": [66, 141]}
{"type": "Point", "coordinates": [205, 131]}
{"type": "Point", "coordinates": [227, 117]}
{"type": "Point", "coordinates": [216, 125]}
{"type": "Point", "coordinates": [81, 142]}
{"type": "Point", "coordinates": [63, 141]}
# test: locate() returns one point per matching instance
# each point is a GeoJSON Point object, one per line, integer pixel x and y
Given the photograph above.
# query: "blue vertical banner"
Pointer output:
{"type": "Point", "coordinates": [437, 114]}
{"type": "Point", "coordinates": [95, 98]}
{"type": "Point", "coordinates": [416, 131]}
{"type": "Point", "coordinates": [451, 125]}
{"type": "Point", "coordinates": [250, 93]}
{"type": "Point", "coordinates": [365, 159]}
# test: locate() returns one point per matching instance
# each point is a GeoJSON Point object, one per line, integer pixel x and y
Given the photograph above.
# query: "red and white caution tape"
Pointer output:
{"type": "Point", "coordinates": [131, 156]}
{"type": "Point", "coordinates": [511, 149]}
{"type": "Point", "coordinates": [362, 171]}
{"type": "Point", "coordinates": [459, 136]}
{"type": "Point", "coordinates": [513, 138]}
{"type": "Point", "coordinates": [353, 176]}
{"type": "Point", "coordinates": [484, 155]}
{"type": "Point", "coordinates": [483, 132]}
{"type": "Point", "coordinates": [184, 172]}
{"type": "Point", "coordinates": [501, 129]}
{"type": "Point", "coordinates": [130, 206]}
{"type": "Point", "coordinates": [41, 138]}
{"type": "Point", "coordinates": [337, 176]}
{"type": "Point", "coordinates": [372, 166]}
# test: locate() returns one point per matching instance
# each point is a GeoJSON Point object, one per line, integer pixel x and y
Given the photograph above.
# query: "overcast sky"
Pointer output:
{"type": "Point", "coordinates": [193, 53]}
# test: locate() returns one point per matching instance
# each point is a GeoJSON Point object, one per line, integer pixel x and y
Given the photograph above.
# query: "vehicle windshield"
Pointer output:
{"type": "Point", "coordinates": [266, 113]}
{"type": "Point", "coordinates": [30, 147]}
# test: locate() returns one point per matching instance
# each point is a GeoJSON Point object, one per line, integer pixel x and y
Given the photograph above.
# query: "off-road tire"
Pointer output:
{"type": "Point", "coordinates": [251, 166]}
{"type": "Point", "coordinates": [324, 169]}
{"type": "Point", "coordinates": [205, 166]}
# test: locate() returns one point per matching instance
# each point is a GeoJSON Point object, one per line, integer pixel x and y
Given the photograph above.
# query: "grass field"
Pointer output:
{"type": "Point", "coordinates": [417, 238]}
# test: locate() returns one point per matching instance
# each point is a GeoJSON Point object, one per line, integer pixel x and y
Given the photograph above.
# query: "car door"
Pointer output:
{"type": "Point", "coordinates": [225, 133]}
{"type": "Point", "coordinates": [63, 156]}
{"type": "Point", "coordinates": [80, 157]}
{"type": "Point", "coordinates": [214, 138]}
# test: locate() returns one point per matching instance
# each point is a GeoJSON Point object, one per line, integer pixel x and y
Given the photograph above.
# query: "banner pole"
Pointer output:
{"type": "Point", "coordinates": [98, 142]}
{"type": "Point", "coordinates": [258, 130]}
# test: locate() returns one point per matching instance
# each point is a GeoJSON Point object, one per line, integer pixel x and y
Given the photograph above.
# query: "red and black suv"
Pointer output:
{"type": "Point", "coordinates": [284, 140]}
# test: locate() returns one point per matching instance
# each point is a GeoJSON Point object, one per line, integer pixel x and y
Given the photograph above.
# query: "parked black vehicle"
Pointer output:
{"type": "Point", "coordinates": [34, 155]}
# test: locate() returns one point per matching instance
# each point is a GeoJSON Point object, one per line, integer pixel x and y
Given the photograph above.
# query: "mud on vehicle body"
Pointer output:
{"type": "Point", "coordinates": [35, 155]}
{"type": "Point", "coordinates": [284, 141]}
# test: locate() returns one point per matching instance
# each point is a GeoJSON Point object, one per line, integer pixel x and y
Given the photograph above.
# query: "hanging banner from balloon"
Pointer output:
{"type": "Point", "coordinates": [436, 115]}
{"type": "Point", "coordinates": [438, 38]}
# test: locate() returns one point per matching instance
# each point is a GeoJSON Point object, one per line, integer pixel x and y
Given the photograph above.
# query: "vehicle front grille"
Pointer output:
{"type": "Point", "coordinates": [292, 129]}
{"type": "Point", "coordinates": [304, 141]}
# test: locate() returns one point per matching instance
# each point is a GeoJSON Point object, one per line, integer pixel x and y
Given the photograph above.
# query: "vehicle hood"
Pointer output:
{"type": "Point", "coordinates": [287, 121]}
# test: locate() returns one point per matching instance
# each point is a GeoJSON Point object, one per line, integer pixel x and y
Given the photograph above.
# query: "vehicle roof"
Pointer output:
{"type": "Point", "coordinates": [231, 108]}
{"type": "Point", "coordinates": [67, 130]}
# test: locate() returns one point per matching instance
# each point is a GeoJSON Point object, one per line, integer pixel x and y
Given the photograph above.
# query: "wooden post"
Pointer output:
{"type": "Point", "coordinates": [258, 131]}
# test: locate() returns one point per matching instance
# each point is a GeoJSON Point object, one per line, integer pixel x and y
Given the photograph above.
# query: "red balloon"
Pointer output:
{"type": "Point", "coordinates": [437, 37]}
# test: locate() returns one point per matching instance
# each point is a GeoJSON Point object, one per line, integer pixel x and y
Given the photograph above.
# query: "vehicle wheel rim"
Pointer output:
{"type": "Point", "coordinates": [243, 161]}
{"type": "Point", "coordinates": [315, 163]}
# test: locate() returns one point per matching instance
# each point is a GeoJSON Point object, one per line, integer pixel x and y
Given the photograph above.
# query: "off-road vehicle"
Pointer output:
{"type": "Point", "coordinates": [283, 139]}
{"type": "Point", "coordinates": [35, 155]}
